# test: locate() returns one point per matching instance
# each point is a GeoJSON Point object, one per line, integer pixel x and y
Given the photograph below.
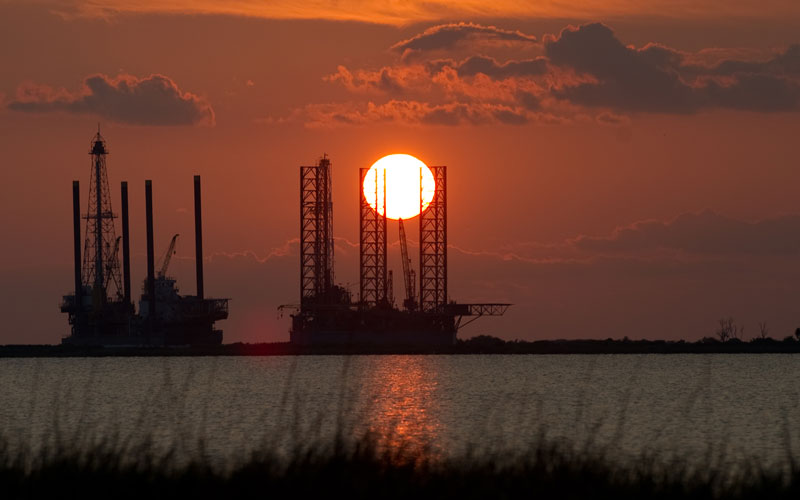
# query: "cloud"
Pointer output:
{"type": "Point", "coordinates": [448, 36]}
{"type": "Point", "coordinates": [388, 79]}
{"type": "Point", "coordinates": [409, 112]}
{"type": "Point", "coordinates": [478, 77]}
{"type": "Point", "coordinates": [784, 63]}
{"type": "Point", "coordinates": [436, 92]}
{"type": "Point", "coordinates": [704, 233]}
{"type": "Point", "coordinates": [583, 67]}
{"type": "Point", "coordinates": [627, 79]}
{"type": "Point", "coordinates": [764, 93]}
{"type": "Point", "coordinates": [154, 100]}
{"type": "Point", "coordinates": [513, 68]}
{"type": "Point", "coordinates": [788, 61]}
{"type": "Point", "coordinates": [654, 78]}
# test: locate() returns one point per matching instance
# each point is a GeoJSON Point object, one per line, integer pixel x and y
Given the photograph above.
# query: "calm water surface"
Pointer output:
{"type": "Point", "coordinates": [690, 407]}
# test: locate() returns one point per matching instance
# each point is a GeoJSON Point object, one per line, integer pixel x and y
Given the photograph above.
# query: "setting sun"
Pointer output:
{"type": "Point", "coordinates": [406, 179]}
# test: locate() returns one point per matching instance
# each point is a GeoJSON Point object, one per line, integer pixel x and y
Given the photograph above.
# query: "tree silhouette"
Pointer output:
{"type": "Point", "coordinates": [763, 331]}
{"type": "Point", "coordinates": [728, 330]}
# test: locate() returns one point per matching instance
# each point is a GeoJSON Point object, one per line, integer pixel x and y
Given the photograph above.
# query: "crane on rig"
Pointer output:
{"type": "Point", "coordinates": [168, 256]}
{"type": "Point", "coordinates": [410, 302]}
{"type": "Point", "coordinates": [110, 265]}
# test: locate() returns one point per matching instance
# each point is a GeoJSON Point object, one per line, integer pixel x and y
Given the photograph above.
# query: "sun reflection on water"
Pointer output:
{"type": "Point", "coordinates": [404, 413]}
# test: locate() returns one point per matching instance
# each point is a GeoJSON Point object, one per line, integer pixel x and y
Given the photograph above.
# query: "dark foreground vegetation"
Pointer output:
{"type": "Point", "coordinates": [708, 345]}
{"type": "Point", "coordinates": [362, 471]}
{"type": "Point", "coordinates": [482, 344]}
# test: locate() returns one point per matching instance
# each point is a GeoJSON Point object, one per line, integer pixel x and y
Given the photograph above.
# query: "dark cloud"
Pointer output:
{"type": "Point", "coordinates": [628, 79]}
{"type": "Point", "coordinates": [655, 78]}
{"type": "Point", "coordinates": [528, 100]}
{"type": "Point", "coordinates": [447, 36]}
{"type": "Point", "coordinates": [154, 100]}
{"type": "Point", "coordinates": [705, 233]}
{"type": "Point", "coordinates": [789, 61]}
{"type": "Point", "coordinates": [755, 93]}
{"type": "Point", "coordinates": [591, 48]}
{"type": "Point", "coordinates": [785, 63]}
{"type": "Point", "coordinates": [490, 67]}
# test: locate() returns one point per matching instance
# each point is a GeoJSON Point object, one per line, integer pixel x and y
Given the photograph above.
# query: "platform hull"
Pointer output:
{"type": "Point", "coordinates": [340, 325]}
{"type": "Point", "coordinates": [182, 338]}
{"type": "Point", "coordinates": [370, 338]}
{"type": "Point", "coordinates": [181, 320]}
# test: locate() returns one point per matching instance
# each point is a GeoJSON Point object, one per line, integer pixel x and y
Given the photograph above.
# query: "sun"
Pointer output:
{"type": "Point", "coordinates": [407, 180]}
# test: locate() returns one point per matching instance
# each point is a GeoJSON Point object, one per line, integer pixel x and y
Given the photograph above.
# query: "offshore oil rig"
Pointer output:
{"type": "Point", "coordinates": [327, 313]}
{"type": "Point", "coordinates": [101, 311]}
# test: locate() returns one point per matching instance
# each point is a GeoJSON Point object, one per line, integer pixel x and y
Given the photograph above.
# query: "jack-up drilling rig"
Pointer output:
{"type": "Point", "coordinates": [328, 315]}
{"type": "Point", "coordinates": [100, 310]}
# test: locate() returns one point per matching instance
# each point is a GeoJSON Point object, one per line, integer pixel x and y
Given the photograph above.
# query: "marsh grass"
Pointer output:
{"type": "Point", "coordinates": [301, 460]}
{"type": "Point", "coordinates": [360, 468]}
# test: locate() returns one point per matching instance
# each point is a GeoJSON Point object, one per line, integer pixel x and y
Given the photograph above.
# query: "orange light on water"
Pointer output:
{"type": "Point", "coordinates": [406, 179]}
{"type": "Point", "coordinates": [405, 418]}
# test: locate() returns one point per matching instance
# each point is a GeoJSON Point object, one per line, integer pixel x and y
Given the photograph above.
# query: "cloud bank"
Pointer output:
{"type": "Point", "coordinates": [153, 100]}
{"type": "Point", "coordinates": [656, 78]}
{"type": "Point", "coordinates": [583, 72]}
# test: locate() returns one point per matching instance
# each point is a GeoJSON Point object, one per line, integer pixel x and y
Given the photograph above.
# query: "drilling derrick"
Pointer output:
{"type": "Point", "coordinates": [101, 272]}
{"type": "Point", "coordinates": [316, 233]}
{"type": "Point", "coordinates": [372, 241]}
{"type": "Point", "coordinates": [99, 306]}
{"type": "Point", "coordinates": [433, 246]}
{"type": "Point", "coordinates": [319, 296]}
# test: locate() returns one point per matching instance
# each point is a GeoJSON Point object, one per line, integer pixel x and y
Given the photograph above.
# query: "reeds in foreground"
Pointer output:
{"type": "Point", "coordinates": [362, 468]}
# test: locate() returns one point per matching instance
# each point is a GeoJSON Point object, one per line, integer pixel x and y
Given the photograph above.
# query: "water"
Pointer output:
{"type": "Point", "coordinates": [690, 407]}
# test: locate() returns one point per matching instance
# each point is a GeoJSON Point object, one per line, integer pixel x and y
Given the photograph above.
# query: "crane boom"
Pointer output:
{"type": "Point", "coordinates": [167, 257]}
{"type": "Point", "coordinates": [408, 273]}
{"type": "Point", "coordinates": [111, 261]}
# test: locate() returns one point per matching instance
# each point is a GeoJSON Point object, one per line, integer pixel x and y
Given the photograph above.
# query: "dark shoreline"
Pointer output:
{"type": "Point", "coordinates": [476, 345]}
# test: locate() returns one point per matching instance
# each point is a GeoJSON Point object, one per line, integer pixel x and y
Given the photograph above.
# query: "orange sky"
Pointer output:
{"type": "Point", "coordinates": [634, 177]}
{"type": "Point", "coordinates": [412, 11]}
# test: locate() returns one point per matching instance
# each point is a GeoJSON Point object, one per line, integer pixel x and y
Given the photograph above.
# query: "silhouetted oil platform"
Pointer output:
{"type": "Point", "coordinates": [101, 311]}
{"type": "Point", "coordinates": [327, 313]}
